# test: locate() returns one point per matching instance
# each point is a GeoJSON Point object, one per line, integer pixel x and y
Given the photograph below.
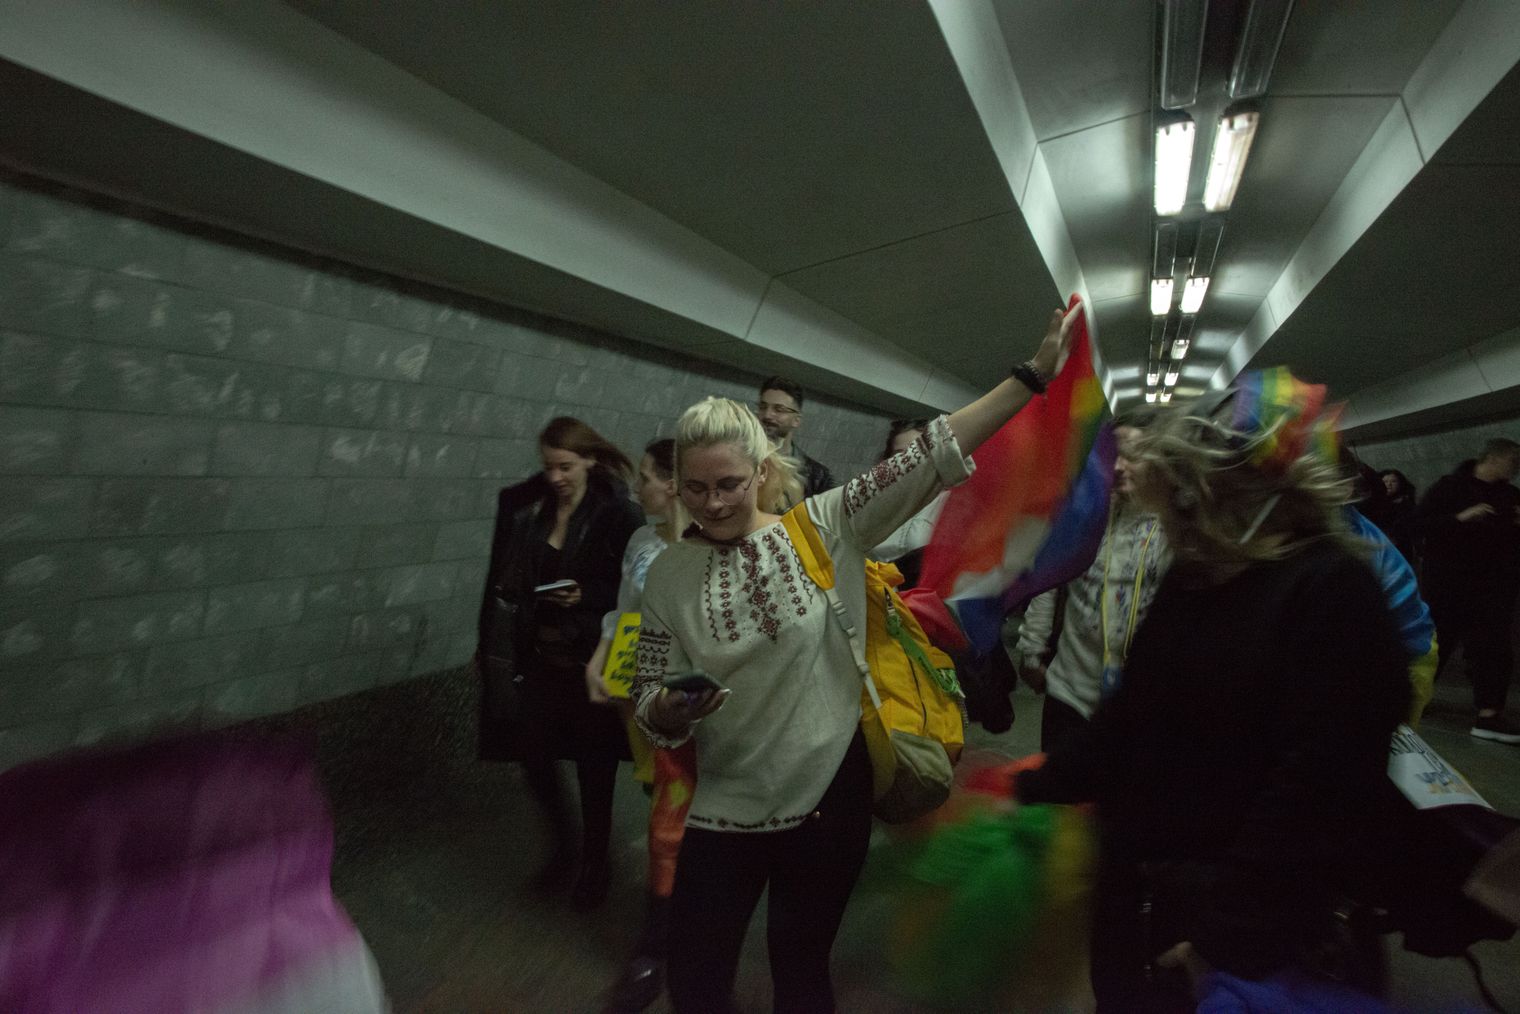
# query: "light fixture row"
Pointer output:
{"type": "Point", "coordinates": [1192, 295]}
{"type": "Point", "coordinates": [1227, 162]}
{"type": "Point", "coordinates": [1183, 27]}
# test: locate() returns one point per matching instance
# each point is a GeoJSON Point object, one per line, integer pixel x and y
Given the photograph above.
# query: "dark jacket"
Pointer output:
{"type": "Point", "coordinates": [815, 475]}
{"type": "Point", "coordinates": [1393, 515]}
{"type": "Point", "coordinates": [1244, 748]}
{"type": "Point", "coordinates": [1484, 552]}
{"type": "Point", "coordinates": [592, 555]}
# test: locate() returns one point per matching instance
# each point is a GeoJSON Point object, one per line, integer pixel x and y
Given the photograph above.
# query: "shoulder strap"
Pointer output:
{"type": "Point", "coordinates": [809, 544]}
{"type": "Point", "coordinates": [820, 567]}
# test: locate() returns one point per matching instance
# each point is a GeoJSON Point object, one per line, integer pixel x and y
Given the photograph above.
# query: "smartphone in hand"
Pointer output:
{"type": "Point", "coordinates": [691, 682]}
{"type": "Point", "coordinates": [553, 586]}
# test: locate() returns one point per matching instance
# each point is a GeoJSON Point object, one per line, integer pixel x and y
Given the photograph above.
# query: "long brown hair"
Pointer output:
{"type": "Point", "coordinates": [567, 433]}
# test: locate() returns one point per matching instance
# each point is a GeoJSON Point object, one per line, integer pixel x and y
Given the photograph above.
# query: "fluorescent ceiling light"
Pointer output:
{"type": "Point", "coordinates": [1153, 376]}
{"type": "Point", "coordinates": [1266, 22]}
{"type": "Point", "coordinates": [1174, 160]}
{"type": "Point", "coordinates": [1161, 296]}
{"type": "Point", "coordinates": [1171, 377]}
{"type": "Point", "coordinates": [1232, 143]}
{"type": "Point", "coordinates": [1182, 25]}
{"type": "Point", "coordinates": [1180, 348]}
{"type": "Point", "coordinates": [1150, 397]}
{"type": "Point", "coordinates": [1166, 396]}
{"type": "Point", "coordinates": [1192, 295]}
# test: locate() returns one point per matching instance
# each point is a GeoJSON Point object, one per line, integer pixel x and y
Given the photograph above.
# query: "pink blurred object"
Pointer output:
{"type": "Point", "coordinates": [185, 875]}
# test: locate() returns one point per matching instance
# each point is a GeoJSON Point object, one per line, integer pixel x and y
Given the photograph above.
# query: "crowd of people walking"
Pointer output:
{"type": "Point", "coordinates": [1201, 683]}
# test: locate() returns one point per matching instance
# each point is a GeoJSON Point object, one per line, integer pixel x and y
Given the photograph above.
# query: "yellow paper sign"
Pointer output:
{"type": "Point", "coordinates": [622, 657]}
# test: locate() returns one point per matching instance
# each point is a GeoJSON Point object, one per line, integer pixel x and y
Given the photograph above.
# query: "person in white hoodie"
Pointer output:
{"type": "Point", "coordinates": [1103, 607]}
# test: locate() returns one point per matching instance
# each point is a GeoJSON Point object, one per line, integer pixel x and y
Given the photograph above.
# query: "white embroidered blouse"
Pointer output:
{"type": "Point", "coordinates": [749, 615]}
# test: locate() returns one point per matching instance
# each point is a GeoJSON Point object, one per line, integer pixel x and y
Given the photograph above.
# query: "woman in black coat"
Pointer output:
{"type": "Point", "coordinates": [566, 527]}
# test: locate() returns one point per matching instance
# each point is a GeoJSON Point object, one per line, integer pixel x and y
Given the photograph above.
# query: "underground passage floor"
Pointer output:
{"type": "Point", "coordinates": [435, 854]}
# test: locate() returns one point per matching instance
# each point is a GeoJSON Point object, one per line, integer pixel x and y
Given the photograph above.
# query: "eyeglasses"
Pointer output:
{"type": "Point", "coordinates": [729, 491]}
{"type": "Point", "coordinates": [762, 407]}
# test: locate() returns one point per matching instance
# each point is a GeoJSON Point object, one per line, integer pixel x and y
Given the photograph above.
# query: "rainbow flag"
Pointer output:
{"type": "Point", "coordinates": [1037, 501]}
{"type": "Point", "coordinates": [1291, 416]}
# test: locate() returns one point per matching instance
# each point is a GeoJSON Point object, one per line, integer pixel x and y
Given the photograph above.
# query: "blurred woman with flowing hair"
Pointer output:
{"type": "Point", "coordinates": [1237, 766]}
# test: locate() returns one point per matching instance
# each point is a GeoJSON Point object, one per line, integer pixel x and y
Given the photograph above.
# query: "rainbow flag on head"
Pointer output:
{"type": "Point", "coordinates": [1290, 413]}
{"type": "Point", "coordinates": [1037, 501]}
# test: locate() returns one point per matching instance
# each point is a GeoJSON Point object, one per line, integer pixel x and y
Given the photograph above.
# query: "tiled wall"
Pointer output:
{"type": "Point", "coordinates": [239, 479]}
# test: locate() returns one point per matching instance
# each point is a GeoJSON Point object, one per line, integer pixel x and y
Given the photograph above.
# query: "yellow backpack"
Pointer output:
{"type": "Point", "coordinates": [912, 709]}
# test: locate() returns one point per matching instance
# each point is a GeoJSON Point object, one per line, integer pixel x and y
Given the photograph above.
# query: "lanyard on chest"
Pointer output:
{"type": "Point", "coordinates": [1134, 601]}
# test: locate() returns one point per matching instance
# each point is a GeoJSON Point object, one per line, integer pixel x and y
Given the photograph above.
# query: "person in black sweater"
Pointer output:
{"type": "Point", "coordinates": [1235, 768]}
{"type": "Point", "coordinates": [1470, 521]}
{"type": "Point", "coordinates": [566, 526]}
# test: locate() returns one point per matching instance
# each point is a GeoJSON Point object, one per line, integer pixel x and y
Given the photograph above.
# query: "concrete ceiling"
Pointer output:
{"type": "Point", "coordinates": [741, 121]}
{"type": "Point", "coordinates": [1437, 272]}
{"type": "Point", "coordinates": [884, 198]}
{"type": "Point", "coordinates": [865, 183]}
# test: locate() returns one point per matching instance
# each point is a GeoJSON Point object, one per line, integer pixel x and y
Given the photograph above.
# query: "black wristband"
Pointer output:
{"type": "Point", "coordinates": [1028, 374]}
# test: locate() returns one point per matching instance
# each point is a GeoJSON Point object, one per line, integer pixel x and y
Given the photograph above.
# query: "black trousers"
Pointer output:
{"type": "Point", "coordinates": [1480, 619]}
{"type": "Point", "coordinates": [810, 870]}
{"type": "Point", "coordinates": [1131, 927]}
{"type": "Point", "coordinates": [1058, 720]}
{"type": "Point", "coordinates": [597, 781]}
{"type": "Point", "coordinates": [558, 723]}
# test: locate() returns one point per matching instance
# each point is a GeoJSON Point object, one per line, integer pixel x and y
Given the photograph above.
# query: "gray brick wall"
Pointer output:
{"type": "Point", "coordinates": [239, 480]}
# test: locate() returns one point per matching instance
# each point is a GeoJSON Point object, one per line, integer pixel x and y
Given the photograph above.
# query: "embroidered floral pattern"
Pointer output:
{"type": "Point", "coordinates": [748, 586]}
{"type": "Point", "coordinates": [726, 593]}
{"type": "Point", "coordinates": [859, 491]}
{"type": "Point", "coordinates": [762, 604]}
{"type": "Point", "coordinates": [707, 600]}
{"type": "Point", "coordinates": [724, 824]}
{"type": "Point", "coordinates": [653, 659]}
{"type": "Point", "coordinates": [789, 566]}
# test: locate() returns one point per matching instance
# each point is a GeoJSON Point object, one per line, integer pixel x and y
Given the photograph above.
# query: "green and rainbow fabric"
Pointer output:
{"type": "Point", "coordinates": [987, 907]}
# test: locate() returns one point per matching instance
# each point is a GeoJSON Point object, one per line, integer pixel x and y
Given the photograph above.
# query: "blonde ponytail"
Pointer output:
{"type": "Point", "coordinates": [782, 488]}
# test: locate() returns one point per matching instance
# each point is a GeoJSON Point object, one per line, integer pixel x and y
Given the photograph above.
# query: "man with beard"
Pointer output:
{"type": "Point", "coordinates": [779, 409]}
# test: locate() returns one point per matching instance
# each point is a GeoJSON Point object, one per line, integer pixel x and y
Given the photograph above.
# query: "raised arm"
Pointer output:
{"type": "Point", "coordinates": [973, 424]}
{"type": "Point", "coordinates": [866, 510]}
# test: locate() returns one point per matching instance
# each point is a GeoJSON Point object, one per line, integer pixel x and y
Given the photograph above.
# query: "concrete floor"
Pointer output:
{"type": "Point", "coordinates": [434, 870]}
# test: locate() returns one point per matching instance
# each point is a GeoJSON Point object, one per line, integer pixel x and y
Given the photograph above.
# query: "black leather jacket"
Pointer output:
{"type": "Point", "coordinates": [815, 475]}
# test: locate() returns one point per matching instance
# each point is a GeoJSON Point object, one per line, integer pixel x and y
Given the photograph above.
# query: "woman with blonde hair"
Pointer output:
{"type": "Point", "coordinates": [1236, 768]}
{"type": "Point", "coordinates": [783, 789]}
{"type": "Point", "coordinates": [668, 773]}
